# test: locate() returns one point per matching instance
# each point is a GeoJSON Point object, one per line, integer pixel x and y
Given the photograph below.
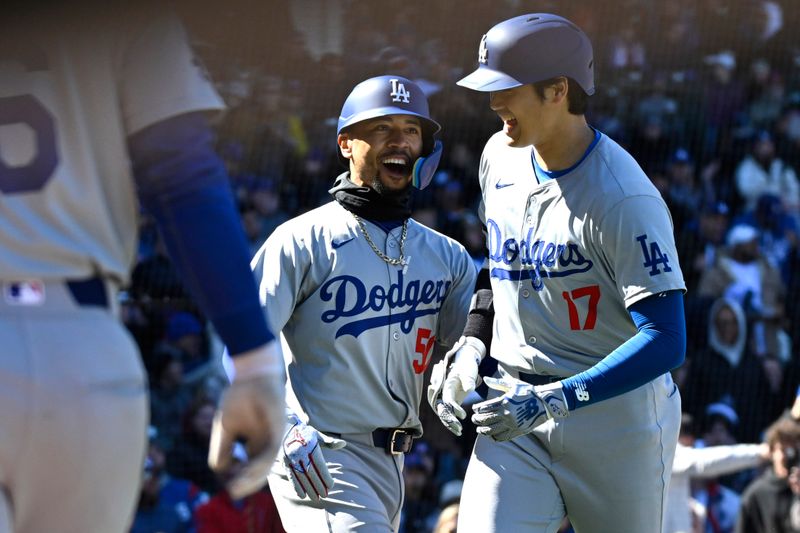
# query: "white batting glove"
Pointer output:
{"type": "Point", "coordinates": [520, 409]}
{"type": "Point", "coordinates": [252, 409]}
{"type": "Point", "coordinates": [302, 457]}
{"type": "Point", "coordinates": [462, 379]}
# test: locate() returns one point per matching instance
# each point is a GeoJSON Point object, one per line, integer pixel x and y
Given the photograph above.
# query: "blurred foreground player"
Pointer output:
{"type": "Point", "coordinates": [95, 106]}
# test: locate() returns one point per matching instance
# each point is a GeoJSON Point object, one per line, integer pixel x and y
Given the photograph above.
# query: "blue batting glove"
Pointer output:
{"type": "Point", "coordinates": [520, 409]}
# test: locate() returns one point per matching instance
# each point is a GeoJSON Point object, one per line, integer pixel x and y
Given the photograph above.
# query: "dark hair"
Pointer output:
{"type": "Point", "coordinates": [577, 99]}
{"type": "Point", "coordinates": [784, 430]}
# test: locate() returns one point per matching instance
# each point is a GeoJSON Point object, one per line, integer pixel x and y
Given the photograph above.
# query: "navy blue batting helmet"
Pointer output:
{"type": "Point", "coordinates": [395, 95]}
{"type": "Point", "coordinates": [529, 49]}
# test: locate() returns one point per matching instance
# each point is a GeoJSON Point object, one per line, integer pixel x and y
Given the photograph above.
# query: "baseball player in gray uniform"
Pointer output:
{"type": "Point", "coordinates": [579, 307]}
{"type": "Point", "coordinates": [361, 294]}
{"type": "Point", "coordinates": [83, 94]}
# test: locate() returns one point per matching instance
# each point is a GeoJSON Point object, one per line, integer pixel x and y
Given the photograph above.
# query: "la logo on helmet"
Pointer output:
{"type": "Point", "coordinates": [399, 92]}
{"type": "Point", "coordinates": [483, 51]}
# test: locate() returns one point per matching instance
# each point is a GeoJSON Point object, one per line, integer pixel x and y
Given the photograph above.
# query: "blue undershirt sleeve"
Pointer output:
{"type": "Point", "coordinates": [658, 347]}
{"type": "Point", "coordinates": [183, 184]}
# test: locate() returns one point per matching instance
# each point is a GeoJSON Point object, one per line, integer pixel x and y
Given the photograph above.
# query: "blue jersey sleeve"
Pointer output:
{"type": "Point", "coordinates": [658, 347]}
{"type": "Point", "coordinates": [183, 184]}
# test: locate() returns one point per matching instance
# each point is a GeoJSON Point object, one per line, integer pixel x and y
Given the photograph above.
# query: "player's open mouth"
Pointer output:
{"type": "Point", "coordinates": [396, 165]}
{"type": "Point", "coordinates": [508, 125]}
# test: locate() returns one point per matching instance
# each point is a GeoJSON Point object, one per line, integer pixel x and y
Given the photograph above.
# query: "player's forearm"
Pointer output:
{"type": "Point", "coordinates": [721, 460]}
{"type": "Point", "coordinates": [216, 273]}
{"type": "Point", "coordinates": [658, 347]}
{"type": "Point", "coordinates": [184, 186]}
{"type": "Point", "coordinates": [481, 313]}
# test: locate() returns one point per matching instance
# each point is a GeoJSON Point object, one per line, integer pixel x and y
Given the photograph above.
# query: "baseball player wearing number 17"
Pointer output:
{"type": "Point", "coordinates": [361, 294]}
{"type": "Point", "coordinates": [579, 308]}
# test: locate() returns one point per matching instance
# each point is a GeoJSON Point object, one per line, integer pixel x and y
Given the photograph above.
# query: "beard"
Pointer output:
{"type": "Point", "coordinates": [388, 193]}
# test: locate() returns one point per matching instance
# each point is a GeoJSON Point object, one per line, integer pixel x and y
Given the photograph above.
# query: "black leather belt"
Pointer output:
{"type": "Point", "coordinates": [538, 379]}
{"type": "Point", "coordinates": [89, 292]}
{"type": "Point", "coordinates": [394, 441]}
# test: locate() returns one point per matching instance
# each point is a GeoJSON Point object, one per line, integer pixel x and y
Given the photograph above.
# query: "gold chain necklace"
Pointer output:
{"type": "Point", "coordinates": [401, 261]}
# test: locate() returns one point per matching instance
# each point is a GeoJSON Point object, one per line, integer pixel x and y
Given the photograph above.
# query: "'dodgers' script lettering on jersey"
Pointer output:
{"type": "Point", "coordinates": [540, 258]}
{"type": "Point", "coordinates": [351, 298]}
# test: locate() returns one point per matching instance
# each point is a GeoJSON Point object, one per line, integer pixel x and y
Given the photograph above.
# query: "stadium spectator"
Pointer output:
{"type": "Point", "coordinates": [186, 334]}
{"type": "Point", "coordinates": [700, 241]}
{"type": "Point", "coordinates": [728, 367]}
{"type": "Point", "coordinates": [169, 395]}
{"type": "Point", "coordinates": [723, 101]}
{"type": "Point", "coordinates": [742, 274]}
{"type": "Point", "coordinates": [166, 504]}
{"type": "Point", "coordinates": [188, 458]}
{"type": "Point", "coordinates": [253, 514]}
{"type": "Point", "coordinates": [683, 196]}
{"type": "Point", "coordinates": [770, 503]}
{"type": "Point", "coordinates": [448, 520]}
{"type": "Point", "coordinates": [152, 515]}
{"type": "Point", "coordinates": [767, 104]}
{"type": "Point", "coordinates": [651, 147]}
{"type": "Point", "coordinates": [761, 172]}
{"type": "Point", "coordinates": [778, 232]}
{"type": "Point", "coordinates": [719, 496]}
{"type": "Point", "coordinates": [420, 500]}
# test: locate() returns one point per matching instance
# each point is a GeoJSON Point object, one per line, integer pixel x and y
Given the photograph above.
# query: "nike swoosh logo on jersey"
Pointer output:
{"type": "Point", "coordinates": [339, 244]}
{"type": "Point", "coordinates": [499, 185]}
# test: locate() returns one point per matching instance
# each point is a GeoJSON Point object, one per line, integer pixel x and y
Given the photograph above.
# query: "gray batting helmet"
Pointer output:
{"type": "Point", "coordinates": [395, 95]}
{"type": "Point", "coordinates": [532, 48]}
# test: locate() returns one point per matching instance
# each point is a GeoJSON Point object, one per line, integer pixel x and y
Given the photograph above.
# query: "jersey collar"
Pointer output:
{"type": "Point", "coordinates": [547, 175]}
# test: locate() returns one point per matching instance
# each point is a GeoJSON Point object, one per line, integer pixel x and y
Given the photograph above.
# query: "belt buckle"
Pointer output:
{"type": "Point", "coordinates": [392, 441]}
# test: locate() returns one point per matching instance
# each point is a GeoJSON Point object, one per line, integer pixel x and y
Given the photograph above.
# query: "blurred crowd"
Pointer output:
{"type": "Point", "coordinates": [705, 95]}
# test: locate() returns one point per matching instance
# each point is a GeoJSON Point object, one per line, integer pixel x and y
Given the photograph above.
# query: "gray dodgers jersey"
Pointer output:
{"type": "Point", "coordinates": [569, 255]}
{"type": "Point", "coordinates": [68, 206]}
{"type": "Point", "coordinates": [358, 333]}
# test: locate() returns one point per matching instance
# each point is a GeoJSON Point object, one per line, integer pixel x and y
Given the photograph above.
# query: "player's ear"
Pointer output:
{"type": "Point", "coordinates": [558, 91]}
{"type": "Point", "coordinates": [343, 140]}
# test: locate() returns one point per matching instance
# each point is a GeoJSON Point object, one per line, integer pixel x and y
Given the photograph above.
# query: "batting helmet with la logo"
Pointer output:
{"type": "Point", "coordinates": [395, 95]}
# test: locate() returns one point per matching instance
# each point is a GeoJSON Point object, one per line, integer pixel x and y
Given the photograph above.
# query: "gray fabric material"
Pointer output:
{"type": "Point", "coordinates": [607, 464]}
{"type": "Point", "coordinates": [73, 417]}
{"type": "Point", "coordinates": [367, 494]}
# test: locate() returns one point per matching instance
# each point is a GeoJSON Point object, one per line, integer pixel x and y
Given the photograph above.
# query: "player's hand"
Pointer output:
{"type": "Point", "coordinates": [520, 409]}
{"type": "Point", "coordinates": [302, 457]}
{"type": "Point", "coordinates": [252, 409]}
{"type": "Point", "coordinates": [462, 379]}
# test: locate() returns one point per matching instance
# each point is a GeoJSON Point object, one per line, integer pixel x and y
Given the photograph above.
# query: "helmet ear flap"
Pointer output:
{"type": "Point", "coordinates": [425, 167]}
{"type": "Point", "coordinates": [428, 139]}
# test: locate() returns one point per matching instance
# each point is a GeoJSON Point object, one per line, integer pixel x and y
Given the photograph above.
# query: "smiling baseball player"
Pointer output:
{"type": "Point", "coordinates": [579, 306]}
{"type": "Point", "coordinates": [361, 294]}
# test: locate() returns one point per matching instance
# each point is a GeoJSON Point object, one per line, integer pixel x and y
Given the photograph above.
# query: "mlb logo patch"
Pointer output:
{"type": "Point", "coordinates": [28, 292]}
